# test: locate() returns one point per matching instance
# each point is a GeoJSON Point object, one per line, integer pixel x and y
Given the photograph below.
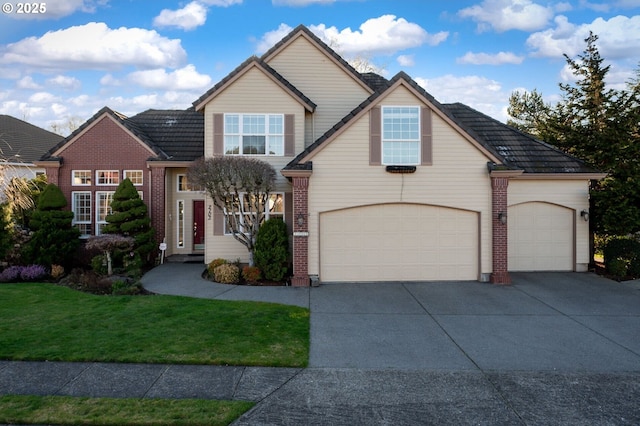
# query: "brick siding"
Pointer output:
{"type": "Point", "coordinates": [300, 242]}
{"type": "Point", "coordinates": [500, 251]}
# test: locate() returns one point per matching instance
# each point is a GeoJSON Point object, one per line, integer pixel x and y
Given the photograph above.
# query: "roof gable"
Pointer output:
{"type": "Point", "coordinates": [22, 142]}
{"type": "Point", "coordinates": [104, 113]}
{"type": "Point", "coordinates": [254, 63]}
{"type": "Point", "coordinates": [303, 32]}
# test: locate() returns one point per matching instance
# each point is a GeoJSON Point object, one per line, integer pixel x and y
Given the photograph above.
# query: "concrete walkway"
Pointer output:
{"type": "Point", "coordinates": [554, 348]}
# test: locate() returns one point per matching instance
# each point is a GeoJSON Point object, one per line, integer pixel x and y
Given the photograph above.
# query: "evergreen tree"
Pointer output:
{"type": "Point", "coordinates": [54, 240]}
{"type": "Point", "coordinates": [130, 218]}
{"type": "Point", "coordinates": [272, 249]}
{"type": "Point", "coordinates": [601, 127]}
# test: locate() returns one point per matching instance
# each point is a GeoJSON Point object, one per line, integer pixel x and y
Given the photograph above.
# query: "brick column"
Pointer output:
{"type": "Point", "coordinates": [500, 252]}
{"type": "Point", "coordinates": [300, 232]}
{"type": "Point", "coordinates": [157, 204]}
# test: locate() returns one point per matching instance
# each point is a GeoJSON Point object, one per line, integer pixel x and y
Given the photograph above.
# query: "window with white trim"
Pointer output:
{"type": "Point", "coordinates": [180, 224]}
{"type": "Point", "coordinates": [273, 209]}
{"type": "Point", "coordinates": [401, 135]}
{"type": "Point", "coordinates": [103, 209]}
{"type": "Point", "coordinates": [135, 176]}
{"type": "Point", "coordinates": [108, 177]}
{"type": "Point", "coordinates": [81, 177]}
{"type": "Point", "coordinates": [81, 207]}
{"type": "Point", "coordinates": [185, 186]}
{"type": "Point", "coordinates": [254, 134]}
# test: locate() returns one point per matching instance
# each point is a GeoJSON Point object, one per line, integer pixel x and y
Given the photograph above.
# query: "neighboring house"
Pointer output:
{"type": "Point", "coordinates": [21, 144]}
{"type": "Point", "coordinates": [379, 181]}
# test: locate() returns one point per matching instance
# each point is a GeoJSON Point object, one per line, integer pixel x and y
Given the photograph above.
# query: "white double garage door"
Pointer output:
{"type": "Point", "coordinates": [415, 242]}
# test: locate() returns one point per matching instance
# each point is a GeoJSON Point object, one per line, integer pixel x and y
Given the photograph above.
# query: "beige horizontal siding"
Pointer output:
{"type": "Point", "coordinates": [331, 88]}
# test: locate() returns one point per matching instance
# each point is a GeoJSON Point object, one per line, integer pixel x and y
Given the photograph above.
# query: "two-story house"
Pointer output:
{"type": "Point", "coordinates": [378, 180]}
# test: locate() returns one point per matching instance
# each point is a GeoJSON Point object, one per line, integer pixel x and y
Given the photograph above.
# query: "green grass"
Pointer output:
{"type": "Point", "coordinates": [112, 411]}
{"type": "Point", "coordinates": [49, 322]}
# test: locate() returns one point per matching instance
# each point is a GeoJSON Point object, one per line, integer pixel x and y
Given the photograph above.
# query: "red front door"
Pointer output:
{"type": "Point", "coordinates": [198, 224]}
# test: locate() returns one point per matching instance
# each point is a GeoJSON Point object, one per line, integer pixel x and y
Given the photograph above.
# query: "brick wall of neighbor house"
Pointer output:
{"type": "Point", "coordinates": [500, 274]}
{"type": "Point", "coordinates": [105, 146]}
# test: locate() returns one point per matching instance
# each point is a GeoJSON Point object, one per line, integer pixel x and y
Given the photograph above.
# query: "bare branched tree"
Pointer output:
{"type": "Point", "coordinates": [239, 187]}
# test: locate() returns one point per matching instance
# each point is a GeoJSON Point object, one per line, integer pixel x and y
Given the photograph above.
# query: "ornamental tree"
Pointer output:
{"type": "Point", "coordinates": [130, 218]}
{"type": "Point", "coordinates": [55, 240]}
{"type": "Point", "coordinates": [239, 187]}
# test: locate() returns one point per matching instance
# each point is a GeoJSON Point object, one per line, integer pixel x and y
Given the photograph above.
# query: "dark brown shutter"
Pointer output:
{"type": "Point", "coordinates": [375, 138]}
{"type": "Point", "coordinates": [288, 211]}
{"type": "Point", "coordinates": [289, 135]}
{"type": "Point", "coordinates": [426, 134]}
{"type": "Point", "coordinates": [218, 221]}
{"type": "Point", "coordinates": [218, 134]}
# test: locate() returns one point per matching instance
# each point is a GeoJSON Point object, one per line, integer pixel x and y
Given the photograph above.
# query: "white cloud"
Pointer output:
{"type": "Point", "coordinates": [59, 109]}
{"type": "Point", "coordinates": [188, 18]}
{"type": "Point", "coordinates": [406, 60]}
{"type": "Point", "coordinates": [490, 59]}
{"type": "Point", "coordinates": [504, 15]}
{"type": "Point", "coordinates": [270, 38]}
{"type": "Point", "coordinates": [186, 78]}
{"type": "Point", "coordinates": [95, 46]}
{"type": "Point", "coordinates": [43, 98]}
{"type": "Point", "coordinates": [618, 37]}
{"type": "Point", "coordinates": [383, 35]}
{"type": "Point", "coordinates": [27, 83]}
{"type": "Point", "coordinates": [65, 82]}
{"type": "Point", "coordinates": [478, 92]}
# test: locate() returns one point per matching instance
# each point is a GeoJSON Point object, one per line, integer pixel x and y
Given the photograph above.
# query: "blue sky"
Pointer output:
{"type": "Point", "coordinates": [131, 55]}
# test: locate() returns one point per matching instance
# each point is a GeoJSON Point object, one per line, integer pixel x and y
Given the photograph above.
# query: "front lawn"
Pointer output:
{"type": "Point", "coordinates": [50, 322]}
{"type": "Point", "coordinates": [61, 410]}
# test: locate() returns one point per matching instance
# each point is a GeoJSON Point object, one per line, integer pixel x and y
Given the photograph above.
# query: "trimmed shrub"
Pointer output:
{"type": "Point", "coordinates": [57, 271]}
{"type": "Point", "coordinates": [227, 274]}
{"type": "Point", "coordinates": [272, 249]}
{"type": "Point", "coordinates": [211, 267]}
{"type": "Point", "coordinates": [622, 257]}
{"type": "Point", "coordinates": [251, 274]}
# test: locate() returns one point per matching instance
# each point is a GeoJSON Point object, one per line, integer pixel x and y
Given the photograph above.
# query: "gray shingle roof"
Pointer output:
{"type": "Point", "coordinates": [516, 149]}
{"type": "Point", "coordinates": [178, 134]}
{"type": "Point", "coordinates": [22, 142]}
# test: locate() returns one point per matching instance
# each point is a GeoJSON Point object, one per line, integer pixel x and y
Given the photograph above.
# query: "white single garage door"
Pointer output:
{"type": "Point", "coordinates": [393, 242]}
{"type": "Point", "coordinates": [541, 237]}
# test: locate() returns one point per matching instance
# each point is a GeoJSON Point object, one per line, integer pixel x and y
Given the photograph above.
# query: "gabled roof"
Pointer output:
{"type": "Point", "coordinates": [301, 30]}
{"type": "Point", "coordinates": [22, 142]}
{"type": "Point", "coordinates": [178, 134]}
{"type": "Point", "coordinates": [254, 61]}
{"type": "Point", "coordinates": [514, 149]}
{"type": "Point", "coordinates": [118, 118]}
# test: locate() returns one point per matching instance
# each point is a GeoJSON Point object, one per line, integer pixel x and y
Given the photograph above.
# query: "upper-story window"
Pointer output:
{"type": "Point", "coordinates": [254, 134]}
{"type": "Point", "coordinates": [135, 176]}
{"type": "Point", "coordinates": [81, 177]}
{"type": "Point", "coordinates": [401, 135]}
{"type": "Point", "coordinates": [184, 185]}
{"type": "Point", "coordinates": [108, 177]}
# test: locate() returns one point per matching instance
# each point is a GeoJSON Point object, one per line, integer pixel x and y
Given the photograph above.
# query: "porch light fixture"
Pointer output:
{"type": "Point", "coordinates": [300, 219]}
{"type": "Point", "coordinates": [502, 217]}
{"type": "Point", "coordinates": [584, 214]}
